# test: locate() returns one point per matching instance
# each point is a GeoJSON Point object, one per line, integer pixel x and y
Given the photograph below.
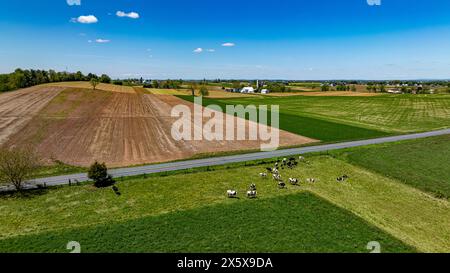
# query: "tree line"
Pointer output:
{"type": "Point", "coordinates": [22, 78]}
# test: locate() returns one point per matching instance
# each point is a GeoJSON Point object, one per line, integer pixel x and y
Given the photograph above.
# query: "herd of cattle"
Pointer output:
{"type": "Point", "coordinates": [285, 163]}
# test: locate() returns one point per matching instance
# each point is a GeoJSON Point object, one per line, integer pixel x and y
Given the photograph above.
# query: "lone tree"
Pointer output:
{"type": "Point", "coordinates": [17, 166]}
{"type": "Point", "coordinates": [192, 88]}
{"type": "Point", "coordinates": [99, 173]}
{"type": "Point", "coordinates": [204, 91]}
{"type": "Point", "coordinates": [94, 83]}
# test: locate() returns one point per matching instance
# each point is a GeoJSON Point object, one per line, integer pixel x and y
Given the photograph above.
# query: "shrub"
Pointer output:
{"type": "Point", "coordinates": [99, 174]}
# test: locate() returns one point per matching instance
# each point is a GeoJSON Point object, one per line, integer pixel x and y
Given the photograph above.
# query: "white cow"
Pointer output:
{"type": "Point", "coordinates": [232, 194]}
{"type": "Point", "coordinates": [251, 194]}
{"type": "Point", "coordinates": [293, 181]}
{"type": "Point", "coordinates": [263, 175]}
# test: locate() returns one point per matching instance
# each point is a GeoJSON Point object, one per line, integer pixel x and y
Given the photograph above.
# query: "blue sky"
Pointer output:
{"type": "Point", "coordinates": [284, 39]}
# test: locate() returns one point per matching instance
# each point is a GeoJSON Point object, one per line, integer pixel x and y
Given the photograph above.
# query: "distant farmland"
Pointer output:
{"type": "Point", "coordinates": [337, 118]}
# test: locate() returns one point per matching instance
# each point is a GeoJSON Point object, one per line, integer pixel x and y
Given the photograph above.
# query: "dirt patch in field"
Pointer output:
{"type": "Point", "coordinates": [121, 130]}
{"type": "Point", "coordinates": [17, 108]}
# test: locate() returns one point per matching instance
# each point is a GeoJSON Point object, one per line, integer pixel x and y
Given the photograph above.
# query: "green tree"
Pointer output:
{"type": "Point", "coordinates": [17, 166]}
{"type": "Point", "coordinates": [192, 88]}
{"type": "Point", "coordinates": [94, 82]}
{"type": "Point", "coordinates": [99, 174]}
{"type": "Point", "coordinates": [325, 87]}
{"type": "Point", "coordinates": [105, 78]}
{"type": "Point", "coordinates": [204, 91]}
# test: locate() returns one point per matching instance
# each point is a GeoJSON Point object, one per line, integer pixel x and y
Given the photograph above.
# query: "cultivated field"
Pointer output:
{"type": "Point", "coordinates": [100, 86]}
{"type": "Point", "coordinates": [80, 126]}
{"type": "Point", "coordinates": [19, 107]}
{"type": "Point", "coordinates": [150, 216]}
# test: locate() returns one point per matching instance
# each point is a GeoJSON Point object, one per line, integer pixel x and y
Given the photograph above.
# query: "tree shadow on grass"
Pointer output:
{"type": "Point", "coordinates": [24, 194]}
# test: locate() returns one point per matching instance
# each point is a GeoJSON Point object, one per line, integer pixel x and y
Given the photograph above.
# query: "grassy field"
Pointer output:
{"type": "Point", "coordinates": [414, 217]}
{"type": "Point", "coordinates": [156, 91]}
{"type": "Point", "coordinates": [343, 118]}
{"type": "Point", "coordinates": [316, 128]}
{"type": "Point", "coordinates": [423, 163]}
{"type": "Point", "coordinates": [292, 223]}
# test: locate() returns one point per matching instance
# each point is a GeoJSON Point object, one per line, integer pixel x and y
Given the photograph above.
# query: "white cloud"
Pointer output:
{"type": "Point", "coordinates": [133, 15]}
{"type": "Point", "coordinates": [102, 41]}
{"type": "Point", "coordinates": [74, 2]}
{"type": "Point", "coordinates": [85, 19]}
{"type": "Point", "coordinates": [211, 50]}
{"type": "Point", "coordinates": [228, 44]}
{"type": "Point", "coordinates": [198, 50]}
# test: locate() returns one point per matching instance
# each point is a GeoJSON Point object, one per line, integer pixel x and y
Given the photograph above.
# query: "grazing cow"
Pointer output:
{"type": "Point", "coordinates": [301, 158]}
{"type": "Point", "coordinates": [269, 170]}
{"type": "Point", "coordinates": [232, 194]}
{"type": "Point", "coordinates": [311, 180]}
{"type": "Point", "coordinates": [284, 161]}
{"type": "Point", "coordinates": [251, 194]}
{"type": "Point", "coordinates": [281, 185]}
{"type": "Point", "coordinates": [342, 178]}
{"type": "Point", "coordinates": [275, 171]}
{"type": "Point", "coordinates": [293, 181]}
{"type": "Point", "coordinates": [253, 187]}
{"type": "Point", "coordinates": [292, 159]}
{"type": "Point", "coordinates": [276, 164]}
{"type": "Point", "coordinates": [263, 175]}
{"type": "Point", "coordinates": [276, 177]}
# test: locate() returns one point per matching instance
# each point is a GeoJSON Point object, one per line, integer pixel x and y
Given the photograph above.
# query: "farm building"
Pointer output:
{"type": "Point", "coordinates": [248, 90]}
{"type": "Point", "coordinates": [265, 91]}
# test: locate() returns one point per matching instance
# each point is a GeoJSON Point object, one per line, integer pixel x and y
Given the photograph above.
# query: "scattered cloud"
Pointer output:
{"type": "Point", "coordinates": [228, 44]}
{"type": "Point", "coordinates": [211, 50]}
{"type": "Point", "coordinates": [102, 41]}
{"type": "Point", "coordinates": [198, 50]}
{"type": "Point", "coordinates": [74, 2]}
{"type": "Point", "coordinates": [132, 15]}
{"type": "Point", "coordinates": [85, 19]}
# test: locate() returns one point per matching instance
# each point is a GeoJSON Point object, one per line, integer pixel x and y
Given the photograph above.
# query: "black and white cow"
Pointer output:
{"type": "Point", "coordinates": [232, 193]}
{"type": "Point", "coordinates": [293, 181]}
{"type": "Point", "coordinates": [251, 194]}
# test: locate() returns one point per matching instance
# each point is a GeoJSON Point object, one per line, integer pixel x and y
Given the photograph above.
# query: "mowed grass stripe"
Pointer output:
{"type": "Point", "coordinates": [293, 223]}
{"type": "Point", "coordinates": [409, 214]}
{"type": "Point", "coordinates": [422, 163]}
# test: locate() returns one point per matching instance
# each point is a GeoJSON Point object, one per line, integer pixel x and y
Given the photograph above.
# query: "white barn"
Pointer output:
{"type": "Point", "coordinates": [248, 90]}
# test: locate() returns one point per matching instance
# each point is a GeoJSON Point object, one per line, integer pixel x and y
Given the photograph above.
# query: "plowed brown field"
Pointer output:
{"type": "Point", "coordinates": [19, 107]}
{"type": "Point", "coordinates": [80, 126]}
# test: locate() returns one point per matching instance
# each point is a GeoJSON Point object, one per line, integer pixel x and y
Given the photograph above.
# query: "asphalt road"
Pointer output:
{"type": "Point", "coordinates": [214, 161]}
